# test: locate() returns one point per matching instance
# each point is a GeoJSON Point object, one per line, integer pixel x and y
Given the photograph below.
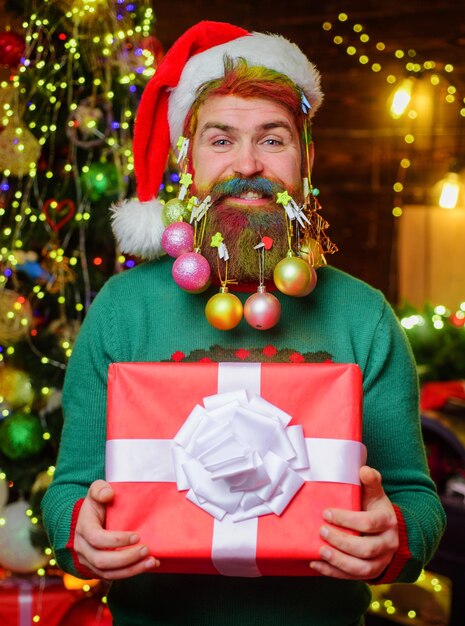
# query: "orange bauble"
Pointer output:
{"type": "Point", "coordinates": [224, 310]}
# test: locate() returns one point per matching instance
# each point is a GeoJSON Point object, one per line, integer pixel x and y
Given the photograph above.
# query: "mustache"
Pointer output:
{"type": "Point", "coordinates": [237, 186]}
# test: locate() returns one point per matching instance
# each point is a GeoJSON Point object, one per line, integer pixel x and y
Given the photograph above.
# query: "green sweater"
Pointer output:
{"type": "Point", "coordinates": [141, 315]}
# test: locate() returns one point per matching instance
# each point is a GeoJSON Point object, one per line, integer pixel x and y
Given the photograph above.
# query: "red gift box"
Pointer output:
{"type": "Point", "coordinates": [22, 598]}
{"type": "Point", "coordinates": [148, 403]}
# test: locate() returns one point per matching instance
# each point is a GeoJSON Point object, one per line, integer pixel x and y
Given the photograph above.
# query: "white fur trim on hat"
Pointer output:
{"type": "Point", "coordinates": [258, 49]}
{"type": "Point", "coordinates": [138, 227]}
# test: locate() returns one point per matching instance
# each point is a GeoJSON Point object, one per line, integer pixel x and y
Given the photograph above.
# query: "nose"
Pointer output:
{"type": "Point", "coordinates": [247, 161]}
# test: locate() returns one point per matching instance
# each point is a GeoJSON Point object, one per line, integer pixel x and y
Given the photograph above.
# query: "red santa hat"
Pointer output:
{"type": "Point", "coordinates": [195, 58]}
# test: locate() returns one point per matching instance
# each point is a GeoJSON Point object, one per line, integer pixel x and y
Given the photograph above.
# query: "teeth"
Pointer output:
{"type": "Point", "coordinates": [251, 195]}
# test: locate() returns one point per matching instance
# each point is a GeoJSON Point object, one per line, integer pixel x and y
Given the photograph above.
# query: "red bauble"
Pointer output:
{"type": "Point", "coordinates": [11, 48]}
{"type": "Point", "coordinates": [155, 46]}
{"type": "Point", "coordinates": [88, 612]}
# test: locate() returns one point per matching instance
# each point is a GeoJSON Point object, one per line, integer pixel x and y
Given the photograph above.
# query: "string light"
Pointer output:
{"type": "Point", "coordinates": [402, 96]}
{"type": "Point", "coordinates": [30, 105]}
{"type": "Point", "coordinates": [385, 606]}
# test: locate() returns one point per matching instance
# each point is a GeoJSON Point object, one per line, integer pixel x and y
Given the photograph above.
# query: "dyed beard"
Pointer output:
{"type": "Point", "coordinates": [242, 228]}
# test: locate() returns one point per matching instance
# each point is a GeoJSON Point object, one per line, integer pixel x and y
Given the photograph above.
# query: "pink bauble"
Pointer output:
{"type": "Point", "coordinates": [191, 272]}
{"type": "Point", "coordinates": [178, 238]}
{"type": "Point", "coordinates": [262, 310]}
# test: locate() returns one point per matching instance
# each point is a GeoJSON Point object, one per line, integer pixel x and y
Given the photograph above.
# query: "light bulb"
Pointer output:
{"type": "Point", "coordinates": [401, 98]}
{"type": "Point", "coordinates": [450, 190]}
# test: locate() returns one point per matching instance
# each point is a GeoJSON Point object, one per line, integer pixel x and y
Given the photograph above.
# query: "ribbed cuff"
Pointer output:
{"type": "Point", "coordinates": [401, 556]}
{"type": "Point", "coordinates": [82, 570]}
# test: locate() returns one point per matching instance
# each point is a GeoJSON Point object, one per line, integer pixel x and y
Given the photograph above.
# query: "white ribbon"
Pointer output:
{"type": "Point", "coordinates": [25, 607]}
{"type": "Point", "coordinates": [238, 459]}
{"type": "Point", "coordinates": [25, 589]}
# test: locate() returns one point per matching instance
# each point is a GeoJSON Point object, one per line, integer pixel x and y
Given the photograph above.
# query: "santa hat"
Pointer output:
{"type": "Point", "coordinates": [195, 58]}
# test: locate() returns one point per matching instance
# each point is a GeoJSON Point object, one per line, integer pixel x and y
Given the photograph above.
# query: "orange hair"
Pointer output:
{"type": "Point", "coordinates": [246, 81]}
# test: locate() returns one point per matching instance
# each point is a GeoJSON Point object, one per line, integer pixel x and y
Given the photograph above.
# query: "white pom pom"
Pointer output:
{"type": "Point", "coordinates": [138, 227]}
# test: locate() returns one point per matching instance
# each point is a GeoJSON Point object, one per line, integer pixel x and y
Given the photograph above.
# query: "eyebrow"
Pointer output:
{"type": "Point", "coordinates": [278, 124]}
{"type": "Point", "coordinates": [230, 129]}
{"type": "Point", "coordinates": [218, 126]}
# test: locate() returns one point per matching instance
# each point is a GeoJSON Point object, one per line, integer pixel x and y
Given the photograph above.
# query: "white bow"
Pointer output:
{"type": "Point", "coordinates": [237, 455]}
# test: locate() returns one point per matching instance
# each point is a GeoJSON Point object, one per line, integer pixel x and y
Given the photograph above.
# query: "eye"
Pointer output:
{"type": "Point", "coordinates": [273, 143]}
{"type": "Point", "coordinates": [221, 142]}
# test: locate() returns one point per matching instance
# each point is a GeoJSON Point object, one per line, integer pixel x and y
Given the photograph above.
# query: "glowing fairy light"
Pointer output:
{"type": "Point", "coordinates": [450, 188]}
{"type": "Point", "coordinates": [401, 98]}
{"type": "Point", "coordinates": [449, 195]}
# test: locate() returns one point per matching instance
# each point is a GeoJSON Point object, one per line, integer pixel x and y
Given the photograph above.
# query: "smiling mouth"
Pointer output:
{"type": "Point", "coordinates": [252, 195]}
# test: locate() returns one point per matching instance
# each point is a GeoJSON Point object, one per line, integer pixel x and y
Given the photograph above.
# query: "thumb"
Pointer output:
{"type": "Point", "coordinates": [100, 491]}
{"type": "Point", "coordinates": [372, 487]}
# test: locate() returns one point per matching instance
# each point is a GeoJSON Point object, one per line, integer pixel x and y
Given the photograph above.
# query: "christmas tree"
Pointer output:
{"type": "Point", "coordinates": [71, 79]}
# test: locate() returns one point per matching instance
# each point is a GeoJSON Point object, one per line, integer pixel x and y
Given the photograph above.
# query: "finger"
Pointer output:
{"type": "Point", "coordinates": [109, 560]}
{"type": "Point", "coordinates": [90, 528]}
{"type": "Point", "coordinates": [325, 569]}
{"type": "Point", "coordinates": [364, 547]}
{"type": "Point", "coordinates": [105, 560]}
{"type": "Point", "coordinates": [366, 522]}
{"type": "Point", "coordinates": [101, 539]}
{"type": "Point", "coordinates": [350, 566]}
{"type": "Point", "coordinates": [142, 566]}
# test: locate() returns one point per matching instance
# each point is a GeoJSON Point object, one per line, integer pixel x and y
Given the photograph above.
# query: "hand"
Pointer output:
{"type": "Point", "coordinates": [365, 556]}
{"type": "Point", "coordinates": [110, 554]}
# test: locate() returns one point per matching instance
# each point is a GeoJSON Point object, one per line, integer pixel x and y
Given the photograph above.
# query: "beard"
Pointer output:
{"type": "Point", "coordinates": [243, 227]}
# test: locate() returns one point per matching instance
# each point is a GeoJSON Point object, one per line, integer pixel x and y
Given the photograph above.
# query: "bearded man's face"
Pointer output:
{"type": "Point", "coordinates": [244, 152]}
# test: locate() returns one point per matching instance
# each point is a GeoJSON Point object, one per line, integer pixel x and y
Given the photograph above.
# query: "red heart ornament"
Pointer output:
{"type": "Point", "coordinates": [57, 213]}
{"type": "Point", "coordinates": [267, 242]}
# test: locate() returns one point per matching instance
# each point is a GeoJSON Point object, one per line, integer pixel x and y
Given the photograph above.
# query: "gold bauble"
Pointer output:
{"type": "Point", "coordinates": [15, 388]}
{"type": "Point", "coordinates": [175, 210]}
{"type": "Point", "coordinates": [15, 316]}
{"type": "Point", "coordinates": [42, 481]}
{"type": "Point", "coordinates": [224, 310]}
{"type": "Point", "coordinates": [19, 150]}
{"type": "Point", "coordinates": [312, 283]}
{"type": "Point", "coordinates": [292, 276]}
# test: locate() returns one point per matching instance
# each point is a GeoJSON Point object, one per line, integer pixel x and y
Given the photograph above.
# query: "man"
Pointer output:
{"type": "Point", "coordinates": [238, 98]}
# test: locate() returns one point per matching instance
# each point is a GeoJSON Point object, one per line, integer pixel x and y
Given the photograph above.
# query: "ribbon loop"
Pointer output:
{"type": "Point", "coordinates": [236, 456]}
